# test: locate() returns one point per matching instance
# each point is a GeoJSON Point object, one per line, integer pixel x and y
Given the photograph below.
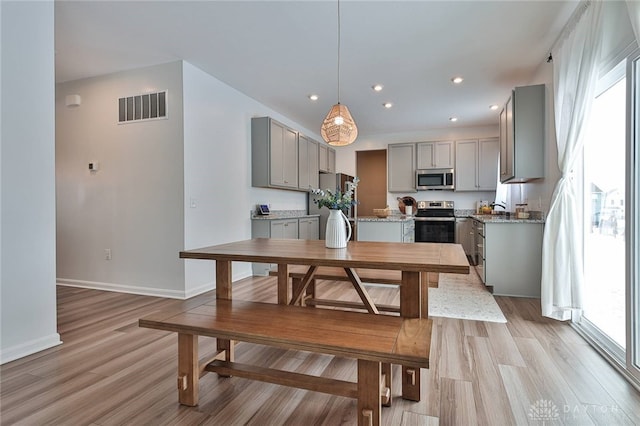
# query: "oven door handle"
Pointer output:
{"type": "Point", "coordinates": [435, 219]}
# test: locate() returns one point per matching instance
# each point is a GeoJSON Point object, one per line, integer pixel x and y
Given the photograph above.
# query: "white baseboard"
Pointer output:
{"type": "Point", "coordinates": [146, 291]}
{"type": "Point", "coordinates": [29, 348]}
{"type": "Point", "coordinates": [200, 289]}
{"type": "Point", "coordinates": [123, 288]}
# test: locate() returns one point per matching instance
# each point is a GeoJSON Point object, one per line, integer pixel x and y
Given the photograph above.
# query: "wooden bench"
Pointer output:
{"type": "Point", "coordinates": [371, 339]}
{"type": "Point", "coordinates": [375, 276]}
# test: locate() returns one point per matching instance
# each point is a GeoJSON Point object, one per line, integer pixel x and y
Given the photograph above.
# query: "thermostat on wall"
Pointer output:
{"type": "Point", "coordinates": [263, 209]}
{"type": "Point", "coordinates": [93, 166]}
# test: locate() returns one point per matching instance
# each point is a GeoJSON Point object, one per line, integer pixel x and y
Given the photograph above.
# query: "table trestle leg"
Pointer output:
{"type": "Point", "coordinates": [310, 293]}
{"type": "Point", "coordinates": [362, 292]}
{"type": "Point", "coordinates": [300, 291]}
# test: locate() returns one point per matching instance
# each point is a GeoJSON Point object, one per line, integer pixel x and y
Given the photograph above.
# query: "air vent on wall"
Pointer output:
{"type": "Point", "coordinates": [149, 106]}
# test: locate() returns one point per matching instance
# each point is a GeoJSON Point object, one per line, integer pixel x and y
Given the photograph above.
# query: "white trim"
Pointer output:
{"type": "Point", "coordinates": [200, 289]}
{"type": "Point", "coordinates": [632, 207]}
{"type": "Point", "coordinates": [212, 285]}
{"type": "Point", "coordinates": [608, 64]}
{"type": "Point", "coordinates": [29, 348]}
{"type": "Point", "coordinates": [146, 291]}
{"type": "Point", "coordinates": [123, 288]}
{"type": "Point", "coordinates": [608, 356]}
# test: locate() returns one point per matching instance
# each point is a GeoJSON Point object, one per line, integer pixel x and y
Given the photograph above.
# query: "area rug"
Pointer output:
{"type": "Point", "coordinates": [464, 297]}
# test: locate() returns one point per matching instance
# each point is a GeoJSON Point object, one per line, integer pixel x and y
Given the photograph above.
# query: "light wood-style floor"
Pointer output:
{"type": "Point", "coordinates": [110, 372]}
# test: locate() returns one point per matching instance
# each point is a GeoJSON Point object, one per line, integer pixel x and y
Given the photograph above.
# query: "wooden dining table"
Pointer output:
{"type": "Point", "coordinates": [412, 259]}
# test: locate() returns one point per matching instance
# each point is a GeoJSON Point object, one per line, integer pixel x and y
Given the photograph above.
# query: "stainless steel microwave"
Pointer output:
{"type": "Point", "coordinates": [434, 179]}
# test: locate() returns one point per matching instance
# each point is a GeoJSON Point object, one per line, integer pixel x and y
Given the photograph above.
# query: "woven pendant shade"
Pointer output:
{"type": "Point", "coordinates": [339, 132]}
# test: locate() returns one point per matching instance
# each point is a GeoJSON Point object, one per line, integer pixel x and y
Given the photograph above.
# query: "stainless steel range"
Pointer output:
{"type": "Point", "coordinates": [435, 222]}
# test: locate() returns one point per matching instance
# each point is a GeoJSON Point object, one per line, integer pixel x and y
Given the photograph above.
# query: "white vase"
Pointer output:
{"type": "Point", "coordinates": [336, 235]}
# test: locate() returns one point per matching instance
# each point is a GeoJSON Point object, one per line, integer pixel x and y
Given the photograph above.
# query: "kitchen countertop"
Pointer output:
{"type": "Point", "coordinates": [283, 214]}
{"type": "Point", "coordinates": [393, 218]}
{"type": "Point", "coordinates": [496, 218]}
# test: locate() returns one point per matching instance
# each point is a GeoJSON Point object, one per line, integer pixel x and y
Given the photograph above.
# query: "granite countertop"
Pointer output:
{"type": "Point", "coordinates": [392, 218]}
{"type": "Point", "coordinates": [536, 217]}
{"type": "Point", "coordinates": [496, 218]}
{"type": "Point", "coordinates": [283, 214]}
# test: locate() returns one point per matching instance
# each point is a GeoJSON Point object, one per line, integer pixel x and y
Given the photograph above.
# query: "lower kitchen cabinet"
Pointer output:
{"type": "Point", "coordinates": [309, 228]}
{"type": "Point", "coordinates": [464, 235]}
{"type": "Point", "coordinates": [387, 231]}
{"type": "Point", "coordinates": [513, 258]}
{"type": "Point", "coordinates": [286, 228]}
{"type": "Point", "coordinates": [306, 228]}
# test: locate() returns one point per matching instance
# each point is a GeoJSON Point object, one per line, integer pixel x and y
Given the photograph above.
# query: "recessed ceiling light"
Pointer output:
{"type": "Point", "coordinates": [457, 80]}
{"type": "Point", "coordinates": [493, 107]}
{"type": "Point", "coordinates": [377, 87]}
{"type": "Point", "coordinates": [453, 119]}
{"type": "Point", "coordinates": [313, 97]}
{"type": "Point", "coordinates": [387, 105]}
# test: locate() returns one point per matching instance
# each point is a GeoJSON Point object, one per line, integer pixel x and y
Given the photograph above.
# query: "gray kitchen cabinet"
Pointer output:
{"type": "Point", "coordinates": [326, 159]}
{"type": "Point", "coordinates": [386, 231]}
{"type": "Point", "coordinates": [513, 258]}
{"type": "Point", "coordinates": [273, 228]}
{"type": "Point", "coordinates": [477, 164]}
{"type": "Point", "coordinates": [274, 154]}
{"type": "Point", "coordinates": [285, 228]}
{"type": "Point", "coordinates": [464, 235]}
{"type": "Point", "coordinates": [401, 167]}
{"type": "Point", "coordinates": [506, 144]}
{"type": "Point", "coordinates": [307, 163]}
{"type": "Point", "coordinates": [435, 155]}
{"type": "Point", "coordinates": [309, 228]}
{"type": "Point", "coordinates": [522, 132]}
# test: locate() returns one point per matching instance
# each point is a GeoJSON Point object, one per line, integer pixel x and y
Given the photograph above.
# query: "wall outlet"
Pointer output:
{"type": "Point", "coordinates": [107, 254]}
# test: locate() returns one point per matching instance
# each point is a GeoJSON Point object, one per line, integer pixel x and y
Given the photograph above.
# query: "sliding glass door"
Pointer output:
{"type": "Point", "coordinates": [610, 181]}
{"type": "Point", "coordinates": [605, 204]}
{"type": "Point", "coordinates": [633, 212]}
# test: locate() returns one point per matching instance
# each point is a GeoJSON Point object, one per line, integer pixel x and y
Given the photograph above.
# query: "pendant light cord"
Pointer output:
{"type": "Point", "coordinates": [338, 51]}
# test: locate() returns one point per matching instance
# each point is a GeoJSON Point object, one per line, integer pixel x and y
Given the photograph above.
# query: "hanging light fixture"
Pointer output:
{"type": "Point", "coordinates": [338, 127]}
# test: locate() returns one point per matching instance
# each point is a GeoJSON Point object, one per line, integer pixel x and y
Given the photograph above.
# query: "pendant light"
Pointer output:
{"type": "Point", "coordinates": [338, 127]}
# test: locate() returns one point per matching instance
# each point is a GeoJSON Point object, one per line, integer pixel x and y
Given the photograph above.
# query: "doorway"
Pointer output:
{"type": "Point", "coordinates": [371, 168]}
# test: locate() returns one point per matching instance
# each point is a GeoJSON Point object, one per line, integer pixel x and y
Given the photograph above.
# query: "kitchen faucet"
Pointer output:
{"type": "Point", "coordinates": [494, 205]}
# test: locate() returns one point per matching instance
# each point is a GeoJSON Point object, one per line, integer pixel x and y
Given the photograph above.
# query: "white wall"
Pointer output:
{"type": "Point", "coordinates": [27, 288]}
{"type": "Point", "coordinates": [346, 160]}
{"type": "Point", "coordinates": [139, 203]}
{"type": "Point", "coordinates": [133, 204]}
{"type": "Point", "coordinates": [217, 156]}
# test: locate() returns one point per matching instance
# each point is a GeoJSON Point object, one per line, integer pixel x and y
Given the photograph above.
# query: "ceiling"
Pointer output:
{"type": "Point", "coordinates": [279, 52]}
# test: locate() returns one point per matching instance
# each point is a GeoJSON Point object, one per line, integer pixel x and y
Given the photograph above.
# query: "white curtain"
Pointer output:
{"type": "Point", "coordinates": [634, 15]}
{"type": "Point", "coordinates": [575, 74]}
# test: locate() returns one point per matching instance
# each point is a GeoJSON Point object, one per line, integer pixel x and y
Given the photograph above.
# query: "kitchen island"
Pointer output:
{"type": "Point", "coordinates": [508, 254]}
{"type": "Point", "coordinates": [393, 229]}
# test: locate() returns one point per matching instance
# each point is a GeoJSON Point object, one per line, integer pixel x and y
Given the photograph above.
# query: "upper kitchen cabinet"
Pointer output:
{"type": "Point", "coordinates": [327, 159]}
{"type": "Point", "coordinates": [307, 163]}
{"type": "Point", "coordinates": [435, 155]}
{"type": "Point", "coordinates": [274, 154]}
{"type": "Point", "coordinates": [522, 131]}
{"type": "Point", "coordinates": [401, 167]}
{"type": "Point", "coordinates": [477, 165]}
